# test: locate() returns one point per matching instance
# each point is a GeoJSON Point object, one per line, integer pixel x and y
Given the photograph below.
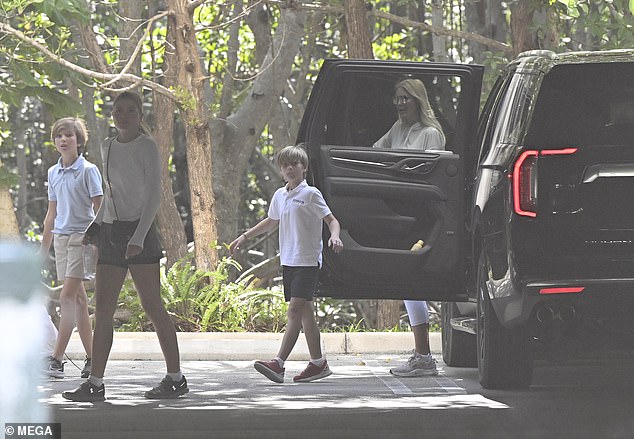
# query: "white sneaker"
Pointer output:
{"type": "Point", "coordinates": [416, 365]}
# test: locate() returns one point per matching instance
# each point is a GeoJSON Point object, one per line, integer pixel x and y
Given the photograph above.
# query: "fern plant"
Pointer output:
{"type": "Point", "coordinates": [180, 286]}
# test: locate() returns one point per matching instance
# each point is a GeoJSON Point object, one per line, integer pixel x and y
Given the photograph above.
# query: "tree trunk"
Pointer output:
{"type": "Point", "coordinates": [22, 194]}
{"type": "Point", "coordinates": [240, 131]}
{"type": "Point", "coordinates": [8, 220]}
{"type": "Point", "coordinates": [190, 79]}
{"type": "Point", "coordinates": [359, 39]}
{"type": "Point", "coordinates": [378, 314]}
{"type": "Point", "coordinates": [130, 30]}
{"type": "Point", "coordinates": [438, 41]}
{"type": "Point", "coordinates": [521, 18]}
{"type": "Point", "coordinates": [168, 218]}
{"type": "Point", "coordinates": [484, 17]}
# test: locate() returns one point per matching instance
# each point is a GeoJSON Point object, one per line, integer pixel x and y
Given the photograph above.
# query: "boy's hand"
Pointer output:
{"type": "Point", "coordinates": [236, 243]}
{"type": "Point", "coordinates": [335, 244]}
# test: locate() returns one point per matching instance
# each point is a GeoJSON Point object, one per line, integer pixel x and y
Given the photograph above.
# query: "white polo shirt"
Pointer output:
{"type": "Point", "coordinates": [73, 188]}
{"type": "Point", "coordinates": [300, 212]}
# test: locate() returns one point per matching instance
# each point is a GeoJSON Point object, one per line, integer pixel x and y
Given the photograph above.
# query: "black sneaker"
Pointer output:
{"type": "Point", "coordinates": [85, 372]}
{"type": "Point", "coordinates": [168, 389]}
{"type": "Point", "coordinates": [87, 392]}
{"type": "Point", "coordinates": [54, 368]}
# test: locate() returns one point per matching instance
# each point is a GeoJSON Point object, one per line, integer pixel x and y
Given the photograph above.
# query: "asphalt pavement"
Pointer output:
{"type": "Point", "coordinates": [569, 399]}
{"type": "Point", "coordinates": [228, 398]}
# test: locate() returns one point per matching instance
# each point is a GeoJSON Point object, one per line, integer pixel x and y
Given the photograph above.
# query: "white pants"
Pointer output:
{"type": "Point", "coordinates": [417, 311]}
{"type": "Point", "coordinates": [49, 331]}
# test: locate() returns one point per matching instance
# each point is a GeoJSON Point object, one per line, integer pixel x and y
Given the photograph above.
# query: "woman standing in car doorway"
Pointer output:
{"type": "Point", "coordinates": [416, 128]}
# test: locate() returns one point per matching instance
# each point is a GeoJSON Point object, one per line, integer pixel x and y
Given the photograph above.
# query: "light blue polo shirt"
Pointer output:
{"type": "Point", "coordinates": [73, 189]}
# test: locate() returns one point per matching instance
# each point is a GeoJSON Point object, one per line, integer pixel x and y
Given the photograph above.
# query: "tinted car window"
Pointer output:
{"type": "Point", "coordinates": [362, 109]}
{"type": "Point", "coordinates": [579, 105]}
{"type": "Point", "coordinates": [512, 117]}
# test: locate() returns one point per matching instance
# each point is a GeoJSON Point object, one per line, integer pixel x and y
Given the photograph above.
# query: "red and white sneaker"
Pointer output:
{"type": "Point", "coordinates": [313, 372]}
{"type": "Point", "coordinates": [270, 369]}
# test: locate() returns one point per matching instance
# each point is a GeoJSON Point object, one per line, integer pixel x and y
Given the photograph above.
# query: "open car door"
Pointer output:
{"type": "Point", "coordinates": [388, 199]}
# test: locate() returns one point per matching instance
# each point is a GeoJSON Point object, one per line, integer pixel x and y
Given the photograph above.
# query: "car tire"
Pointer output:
{"type": "Point", "coordinates": [505, 359]}
{"type": "Point", "coordinates": [459, 348]}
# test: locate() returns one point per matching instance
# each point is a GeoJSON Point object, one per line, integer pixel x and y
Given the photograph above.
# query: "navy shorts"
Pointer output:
{"type": "Point", "coordinates": [300, 282]}
{"type": "Point", "coordinates": [112, 251]}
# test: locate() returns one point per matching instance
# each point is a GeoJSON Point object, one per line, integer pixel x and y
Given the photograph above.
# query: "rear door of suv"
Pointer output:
{"type": "Point", "coordinates": [388, 199]}
{"type": "Point", "coordinates": [582, 140]}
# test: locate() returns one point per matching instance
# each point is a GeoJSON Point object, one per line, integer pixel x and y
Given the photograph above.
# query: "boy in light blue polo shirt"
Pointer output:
{"type": "Point", "coordinates": [74, 195]}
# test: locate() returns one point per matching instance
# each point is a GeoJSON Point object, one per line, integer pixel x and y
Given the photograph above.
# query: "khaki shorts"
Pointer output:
{"type": "Point", "coordinates": [69, 256]}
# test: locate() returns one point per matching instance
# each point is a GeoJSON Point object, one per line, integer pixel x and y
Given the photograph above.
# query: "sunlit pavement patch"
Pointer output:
{"type": "Point", "coordinates": [411, 402]}
{"type": "Point", "coordinates": [356, 383]}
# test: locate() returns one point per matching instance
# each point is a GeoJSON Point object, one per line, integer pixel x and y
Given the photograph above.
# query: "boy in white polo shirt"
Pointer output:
{"type": "Point", "coordinates": [299, 210]}
{"type": "Point", "coordinates": [74, 195]}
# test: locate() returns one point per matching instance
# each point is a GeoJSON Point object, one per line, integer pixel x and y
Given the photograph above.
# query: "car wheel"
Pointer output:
{"type": "Point", "coordinates": [505, 360]}
{"type": "Point", "coordinates": [459, 348]}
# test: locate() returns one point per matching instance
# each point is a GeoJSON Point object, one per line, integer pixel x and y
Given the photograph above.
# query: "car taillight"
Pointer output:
{"type": "Point", "coordinates": [561, 290]}
{"type": "Point", "coordinates": [525, 184]}
{"type": "Point", "coordinates": [525, 179]}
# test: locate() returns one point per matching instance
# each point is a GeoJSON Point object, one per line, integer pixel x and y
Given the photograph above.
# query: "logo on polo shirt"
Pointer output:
{"type": "Point", "coordinates": [300, 202]}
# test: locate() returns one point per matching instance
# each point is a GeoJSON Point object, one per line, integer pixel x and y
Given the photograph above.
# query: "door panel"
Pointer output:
{"type": "Point", "coordinates": [388, 199]}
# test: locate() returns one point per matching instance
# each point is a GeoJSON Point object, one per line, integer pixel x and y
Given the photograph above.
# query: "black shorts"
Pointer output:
{"type": "Point", "coordinates": [112, 252]}
{"type": "Point", "coordinates": [300, 282]}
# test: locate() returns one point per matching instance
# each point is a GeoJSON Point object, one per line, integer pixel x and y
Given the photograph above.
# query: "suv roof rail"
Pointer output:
{"type": "Point", "coordinates": [543, 53]}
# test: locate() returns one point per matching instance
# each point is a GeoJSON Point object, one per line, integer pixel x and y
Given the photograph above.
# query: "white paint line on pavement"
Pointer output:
{"type": "Point", "coordinates": [444, 384]}
{"type": "Point", "coordinates": [450, 386]}
{"type": "Point", "coordinates": [391, 382]}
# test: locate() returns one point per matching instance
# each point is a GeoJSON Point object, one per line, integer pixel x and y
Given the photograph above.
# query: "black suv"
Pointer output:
{"type": "Point", "coordinates": [526, 216]}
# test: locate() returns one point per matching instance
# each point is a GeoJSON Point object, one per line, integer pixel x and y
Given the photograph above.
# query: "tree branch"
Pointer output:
{"type": "Point", "coordinates": [126, 77]}
{"type": "Point", "coordinates": [437, 30]}
{"type": "Point", "coordinates": [194, 4]}
{"type": "Point", "coordinates": [137, 49]}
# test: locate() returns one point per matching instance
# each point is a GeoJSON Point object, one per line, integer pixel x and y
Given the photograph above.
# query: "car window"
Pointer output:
{"type": "Point", "coordinates": [590, 104]}
{"type": "Point", "coordinates": [489, 112]}
{"type": "Point", "coordinates": [511, 119]}
{"type": "Point", "coordinates": [363, 110]}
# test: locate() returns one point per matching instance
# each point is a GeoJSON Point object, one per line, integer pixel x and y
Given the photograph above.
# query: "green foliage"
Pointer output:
{"type": "Point", "coordinates": [7, 178]}
{"type": "Point", "coordinates": [336, 314]}
{"type": "Point", "coordinates": [608, 24]}
{"type": "Point", "coordinates": [130, 315]}
{"type": "Point", "coordinates": [206, 301]}
{"type": "Point", "coordinates": [185, 98]}
{"type": "Point", "coordinates": [220, 303]}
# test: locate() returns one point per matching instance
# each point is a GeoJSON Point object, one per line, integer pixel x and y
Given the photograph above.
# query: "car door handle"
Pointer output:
{"type": "Point", "coordinates": [416, 165]}
{"type": "Point", "coordinates": [608, 170]}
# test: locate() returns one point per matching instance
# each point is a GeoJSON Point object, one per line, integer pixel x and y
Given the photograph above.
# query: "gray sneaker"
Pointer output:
{"type": "Point", "coordinates": [416, 365]}
{"type": "Point", "coordinates": [54, 368]}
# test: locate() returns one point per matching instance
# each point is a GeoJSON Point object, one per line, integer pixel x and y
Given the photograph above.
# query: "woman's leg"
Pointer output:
{"type": "Point", "coordinates": [147, 281]}
{"type": "Point", "coordinates": [418, 314]}
{"type": "Point", "coordinates": [108, 282]}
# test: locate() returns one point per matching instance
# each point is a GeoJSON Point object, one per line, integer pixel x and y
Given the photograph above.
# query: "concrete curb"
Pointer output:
{"type": "Point", "coordinates": [212, 346]}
